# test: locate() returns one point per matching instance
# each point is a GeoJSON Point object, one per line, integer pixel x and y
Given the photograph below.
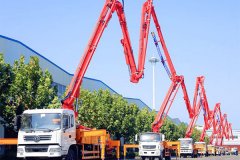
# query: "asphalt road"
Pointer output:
{"type": "Point", "coordinates": [232, 157]}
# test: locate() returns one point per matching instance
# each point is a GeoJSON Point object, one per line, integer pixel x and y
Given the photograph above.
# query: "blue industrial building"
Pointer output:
{"type": "Point", "coordinates": [12, 50]}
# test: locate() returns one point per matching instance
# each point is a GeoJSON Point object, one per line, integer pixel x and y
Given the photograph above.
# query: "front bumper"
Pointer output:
{"type": "Point", "coordinates": [186, 151]}
{"type": "Point", "coordinates": [39, 151]}
{"type": "Point", "coordinates": [146, 153]}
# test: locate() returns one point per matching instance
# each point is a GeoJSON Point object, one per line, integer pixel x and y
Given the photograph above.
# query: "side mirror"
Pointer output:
{"type": "Point", "coordinates": [136, 138]}
{"type": "Point", "coordinates": [163, 137]}
{"type": "Point", "coordinates": [17, 122]}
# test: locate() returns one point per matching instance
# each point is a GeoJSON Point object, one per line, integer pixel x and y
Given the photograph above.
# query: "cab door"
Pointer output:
{"type": "Point", "coordinates": [69, 132]}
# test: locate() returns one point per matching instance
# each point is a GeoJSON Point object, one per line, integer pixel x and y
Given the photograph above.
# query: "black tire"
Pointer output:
{"type": "Point", "coordinates": [168, 158]}
{"type": "Point", "coordinates": [56, 158]}
{"type": "Point", "coordinates": [161, 157]}
{"type": "Point", "coordinates": [71, 155]}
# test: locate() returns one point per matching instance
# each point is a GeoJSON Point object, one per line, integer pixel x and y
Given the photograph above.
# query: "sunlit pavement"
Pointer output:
{"type": "Point", "coordinates": [213, 158]}
{"type": "Point", "coordinates": [203, 158]}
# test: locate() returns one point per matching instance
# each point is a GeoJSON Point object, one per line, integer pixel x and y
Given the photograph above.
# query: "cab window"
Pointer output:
{"type": "Point", "coordinates": [66, 121]}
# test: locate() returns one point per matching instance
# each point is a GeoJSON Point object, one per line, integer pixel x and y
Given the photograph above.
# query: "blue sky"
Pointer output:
{"type": "Point", "coordinates": [203, 38]}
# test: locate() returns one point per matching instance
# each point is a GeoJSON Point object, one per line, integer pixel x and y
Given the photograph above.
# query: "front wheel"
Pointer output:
{"type": "Point", "coordinates": [161, 157]}
{"type": "Point", "coordinates": [56, 158]}
{"type": "Point", "coordinates": [71, 155]}
{"type": "Point", "coordinates": [168, 158]}
{"type": "Point", "coordinates": [158, 158]}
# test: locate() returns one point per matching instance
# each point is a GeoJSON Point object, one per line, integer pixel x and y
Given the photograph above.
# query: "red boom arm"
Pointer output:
{"type": "Point", "coordinates": [109, 8]}
{"type": "Point", "coordinates": [212, 121]}
{"type": "Point", "coordinates": [200, 102]}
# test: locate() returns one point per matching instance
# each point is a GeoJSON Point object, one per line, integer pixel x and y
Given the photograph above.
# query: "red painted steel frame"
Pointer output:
{"type": "Point", "coordinates": [221, 129]}
{"type": "Point", "coordinates": [109, 8]}
{"type": "Point", "coordinates": [200, 102]}
{"type": "Point", "coordinates": [148, 11]}
{"type": "Point", "coordinates": [212, 121]}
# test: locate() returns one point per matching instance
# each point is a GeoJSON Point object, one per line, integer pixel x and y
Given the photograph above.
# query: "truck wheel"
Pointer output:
{"type": "Point", "coordinates": [158, 158]}
{"type": "Point", "coordinates": [161, 157]}
{"type": "Point", "coordinates": [71, 155]}
{"type": "Point", "coordinates": [168, 158]}
{"type": "Point", "coordinates": [57, 158]}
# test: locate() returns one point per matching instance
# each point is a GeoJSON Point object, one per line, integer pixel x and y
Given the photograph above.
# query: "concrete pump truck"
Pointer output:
{"type": "Point", "coordinates": [55, 133]}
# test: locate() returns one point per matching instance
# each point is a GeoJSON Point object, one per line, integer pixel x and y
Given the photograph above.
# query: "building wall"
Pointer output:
{"type": "Point", "coordinates": [13, 49]}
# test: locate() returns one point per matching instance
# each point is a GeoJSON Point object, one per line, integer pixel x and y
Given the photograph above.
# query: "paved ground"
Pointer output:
{"type": "Point", "coordinates": [212, 158]}
{"type": "Point", "coordinates": [206, 158]}
{"type": "Point", "coordinates": [174, 158]}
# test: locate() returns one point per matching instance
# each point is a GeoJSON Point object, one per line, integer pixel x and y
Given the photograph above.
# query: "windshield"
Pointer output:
{"type": "Point", "coordinates": [41, 121]}
{"type": "Point", "coordinates": [185, 142]}
{"type": "Point", "coordinates": [150, 137]}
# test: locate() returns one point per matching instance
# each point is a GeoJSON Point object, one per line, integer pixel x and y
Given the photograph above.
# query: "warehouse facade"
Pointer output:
{"type": "Point", "coordinates": [12, 50]}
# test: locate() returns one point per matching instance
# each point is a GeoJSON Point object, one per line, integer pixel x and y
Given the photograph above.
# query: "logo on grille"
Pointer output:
{"type": "Point", "coordinates": [36, 138]}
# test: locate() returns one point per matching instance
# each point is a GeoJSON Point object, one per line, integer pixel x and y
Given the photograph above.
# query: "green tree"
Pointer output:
{"type": "Point", "coordinates": [182, 127]}
{"type": "Point", "coordinates": [206, 139]}
{"type": "Point", "coordinates": [5, 82]}
{"type": "Point", "coordinates": [144, 120]}
{"type": "Point", "coordinates": [170, 130]}
{"type": "Point", "coordinates": [55, 103]}
{"type": "Point", "coordinates": [30, 88]}
{"type": "Point", "coordinates": [196, 135]}
{"type": "Point", "coordinates": [102, 110]}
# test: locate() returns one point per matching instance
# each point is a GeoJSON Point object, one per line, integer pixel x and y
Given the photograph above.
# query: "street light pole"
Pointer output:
{"type": "Point", "coordinates": [153, 60]}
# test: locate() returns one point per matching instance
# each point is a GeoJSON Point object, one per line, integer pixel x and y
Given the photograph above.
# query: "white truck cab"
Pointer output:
{"type": "Point", "coordinates": [186, 147]}
{"type": "Point", "coordinates": [151, 145]}
{"type": "Point", "coordinates": [46, 133]}
{"type": "Point", "coordinates": [201, 147]}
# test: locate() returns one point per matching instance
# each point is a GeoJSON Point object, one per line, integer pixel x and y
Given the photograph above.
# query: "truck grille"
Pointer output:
{"type": "Point", "coordinates": [38, 138]}
{"type": "Point", "coordinates": [36, 148]}
{"type": "Point", "coordinates": [149, 146]}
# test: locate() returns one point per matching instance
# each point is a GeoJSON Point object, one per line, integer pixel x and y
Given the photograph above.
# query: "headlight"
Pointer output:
{"type": "Point", "coordinates": [20, 150]}
{"type": "Point", "coordinates": [55, 150]}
